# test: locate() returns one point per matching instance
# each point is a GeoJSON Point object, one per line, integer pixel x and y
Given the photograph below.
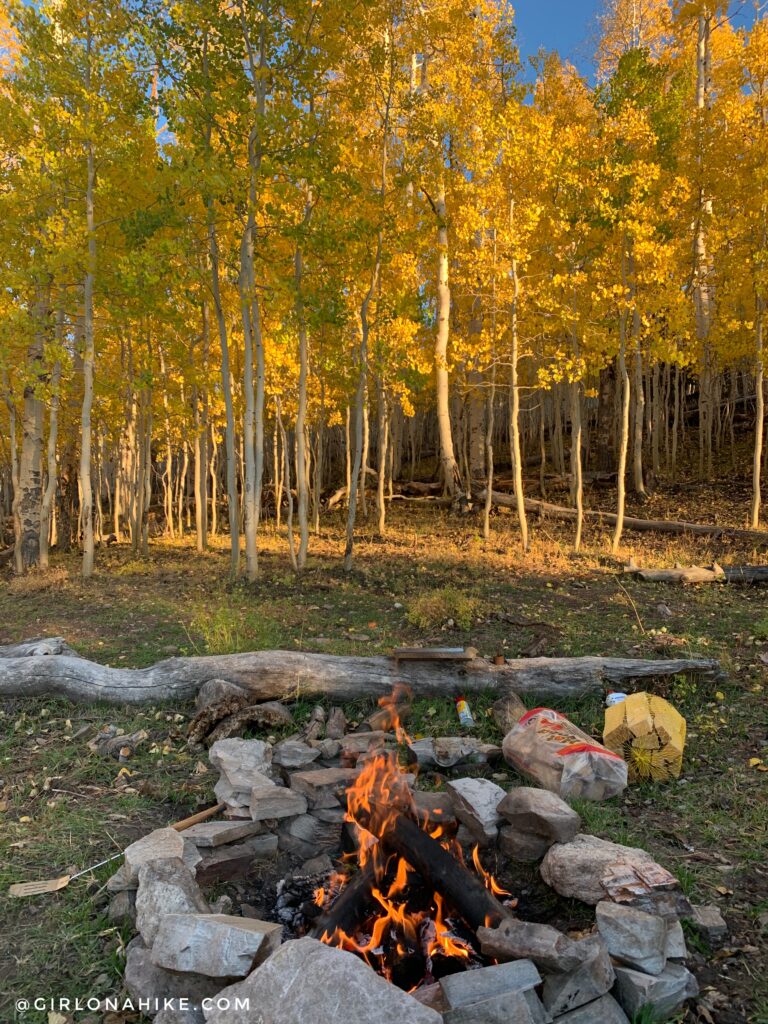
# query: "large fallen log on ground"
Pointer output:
{"type": "Point", "coordinates": [759, 537]}
{"type": "Point", "coordinates": [688, 574]}
{"type": "Point", "coordinates": [288, 675]}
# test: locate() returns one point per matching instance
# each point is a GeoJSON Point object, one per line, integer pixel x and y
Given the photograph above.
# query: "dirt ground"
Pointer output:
{"type": "Point", "coordinates": [432, 580]}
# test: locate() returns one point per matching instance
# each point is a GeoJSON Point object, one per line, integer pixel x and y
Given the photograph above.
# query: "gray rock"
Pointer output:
{"type": "Point", "coordinates": [208, 834]}
{"type": "Point", "coordinates": [234, 861]}
{"type": "Point", "coordinates": [635, 938]}
{"type": "Point", "coordinates": [159, 989]}
{"type": "Point", "coordinates": [162, 844]}
{"type": "Point", "coordinates": [121, 880]}
{"type": "Point", "coordinates": [165, 887]}
{"type": "Point", "coordinates": [587, 982]}
{"type": "Point", "coordinates": [336, 725]}
{"type": "Point", "coordinates": [666, 992]}
{"type": "Point", "coordinates": [176, 1015]}
{"type": "Point", "coordinates": [236, 799]}
{"type": "Point", "coordinates": [122, 908]}
{"type": "Point", "coordinates": [547, 947]}
{"type": "Point", "coordinates": [709, 923]}
{"type": "Point", "coordinates": [322, 865]}
{"type": "Point", "coordinates": [474, 804]}
{"type": "Point", "coordinates": [334, 815]}
{"type": "Point", "coordinates": [676, 948]}
{"type": "Point", "coordinates": [218, 689]}
{"type": "Point", "coordinates": [329, 749]}
{"type": "Point", "coordinates": [470, 987]}
{"type": "Point", "coordinates": [241, 761]}
{"type": "Point", "coordinates": [522, 846]}
{"type": "Point", "coordinates": [509, 1008]}
{"type": "Point", "coordinates": [603, 1011]}
{"type": "Point", "coordinates": [271, 801]}
{"type": "Point", "coordinates": [222, 904]}
{"type": "Point", "coordinates": [191, 855]}
{"type": "Point", "coordinates": [432, 996]}
{"type": "Point", "coordinates": [541, 813]}
{"type": "Point", "coordinates": [317, 836]}
{"type": "Point", "coordinates": [294, 754]}
{"type": "Point", "coordinates": [324, 787]}
{"type": "Point", "coordinates": [447, 751]}
{"type": "Point", "coordinates": [591, 869]}
{"type": "Point", "coordinates": [216, 945]}
{"type": "Point", "coordinates": [434, 808]}
{"type": "Point", "coordinates": [306, 981]}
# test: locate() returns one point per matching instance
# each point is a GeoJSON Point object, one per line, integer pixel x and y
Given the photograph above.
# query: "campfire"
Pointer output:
{"type": "Point", "coordinates": [409, 905]}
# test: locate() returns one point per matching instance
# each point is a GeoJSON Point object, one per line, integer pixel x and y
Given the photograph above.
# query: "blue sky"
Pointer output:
{"type": "Point", "coordinates": [570, 26]}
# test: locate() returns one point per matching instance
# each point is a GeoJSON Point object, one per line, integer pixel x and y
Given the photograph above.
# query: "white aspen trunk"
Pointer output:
{"type": "Point", "coordinates": [357, 465]}
{"type": "Point", "coordinates": [287, 484]}
{"type": "Point", "coordinates": [278, 476]}
{"type": "Point", "coordinates": [366, 449]}
{"type": "Point", "coordinates": [623, 419]}
{"type": "Point", "coordinates": [348, 452]}
{"type": "Point", "coordinates": [489, 425]}
{"type": "Point", "coordinates": [86, 503]}
{"type": "Point", "coordinates": [447, 456]}
{"type": "Point", "coordinates": [214, 469]}
{"type": "Point", "coordinates": [754, 518]}
{"type": "Point", "coordinates": [702, 266]}
{"type": "Point", "coordinates": [577, 479]}
{"type": "Point", "coordinates": [517, 457]}
{"type": "Point", "coordinates": [249, 439]}
{"type": "Point", "coordinates": [168, 472]}
{"type": "Point", "coordinates": [301, 413]}
{"type": "Point", "coordinates": [382, 457]}
{"type": "Point", "coordinates": [146, 495]}
{"type": "Point", "coordinates": [637, 440]}
{"type": "Point", "coordinates": [30, 483]}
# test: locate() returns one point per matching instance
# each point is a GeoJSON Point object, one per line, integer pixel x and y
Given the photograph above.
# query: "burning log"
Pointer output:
{"type": "Point", "coordinates": [345, 912]}
{"type": "Point", "coordinates": [436, 865]}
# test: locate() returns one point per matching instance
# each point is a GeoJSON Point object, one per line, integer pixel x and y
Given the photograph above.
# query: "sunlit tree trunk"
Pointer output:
{"type": "Point", "coordinates": [759, 417]}
{"type": "Point", "coordinates": [514, 426]}
{"type": "Point", "coordinates": [86, 503]}
{"type": "Point", "coordinates": [27, 550]}
{"type": "Point", "coordinates": [626, 398]}
{"type": "Point", "coordinates": [447, 456]}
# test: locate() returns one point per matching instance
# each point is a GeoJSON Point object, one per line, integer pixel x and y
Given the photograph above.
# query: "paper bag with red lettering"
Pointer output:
{"type": "Point", "coordinates": [561, 758]}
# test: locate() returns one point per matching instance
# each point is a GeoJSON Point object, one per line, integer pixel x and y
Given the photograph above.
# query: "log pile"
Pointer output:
{"type": "Point", "coordinates": [649, 734]}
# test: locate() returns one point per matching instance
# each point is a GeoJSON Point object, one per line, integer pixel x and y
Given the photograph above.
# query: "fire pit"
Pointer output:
{"type": "Point", "coordinates": [392, 882]}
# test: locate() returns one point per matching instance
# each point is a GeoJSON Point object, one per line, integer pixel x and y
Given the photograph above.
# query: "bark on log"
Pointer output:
{"type": "Point", "coordinates": [759, 537]}
{"type": "Point", "coordinates": [288, 675]}
{"type": "Point", "coordinates": [733, 574]}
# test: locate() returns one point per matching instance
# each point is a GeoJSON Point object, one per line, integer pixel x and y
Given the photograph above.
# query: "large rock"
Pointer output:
{"type": "Point", "coordinates": [292, 754]}
{"type": "Point", "coordinates": [159, 989]}
{"type": "Point", "coordinates": [241, 761]}
{"type": "Point", "coordinates": [271, 801]}
{"type": "Point", "coordinates": [475, 803]}
{"type": "Point", "coordinates": [509, 1008]}
{"type": "Point", "coordinates": [237, 800]}
{"type": "Point", "coordinates": [603, 1011]}
{"type": "Point", "coordinates": [215, 690]}
{"type": "Point", "coordinates": [161, 844]}
{"type": "Point", "coordinates": [122, 908]}
{"type": "Point", "coordinates": [522, 846]}
{"type": "Point", "coordinates": [592, 869]}
{"type": "Point", "coordinates": [635, 938]}
{"type": "Point", "coordinates": [468, 987]}
{"type": "Point", "coordinates": [708, 922]}
{"type": "Point", "coordinates": [234, 861]}
{"type": "Point", "coordinates": [666, 992]}
{"type": "Point", "coordinates": [166, 887]}
{"type": "Point", "coordinates": [324, 787]}
{"type": "Point", "coordinates": [434, 809]}
{"type": "Point", "coordinates": [547, 947]}
{"type": "Point", "coordinates": [591, 979]}
{"type": "Point", "coordinates": [306, 836]}
{"type": "Point", "coordinates": [217, 945]}
{"type": "Point", "coordinates": [306, 981]}
{"type": "Point", "coordinates": [208, 834]}
{"type": "Point", "coordinates": [541, 813]}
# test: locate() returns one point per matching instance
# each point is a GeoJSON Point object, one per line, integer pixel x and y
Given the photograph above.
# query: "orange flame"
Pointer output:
{"type": "Point", "coordinates": [487, 877]}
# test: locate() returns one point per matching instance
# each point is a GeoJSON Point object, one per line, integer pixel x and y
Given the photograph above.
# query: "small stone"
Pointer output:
{"type": "Point", "coordinates": [469, 987]}
{"type": "Point", "coordinates": [664, 611]}
{"type": "Point", "coordinates": [235, 799]}
{"type": "Point", "coordinates": [676, 948]}
{"type": "Point", "coordinates": [241, 761]}
{"type": "Point", "coordinates": [162, 844]}
{"type": "Point", "coordinates": [165, 887]}
{"type": "Point", "coordinates": [709, 923]}
{"type": "Point", "coordinates": [208, 834]}
{"type": "Point", "coordinates": [337, 815]}
{"type": "Point", "coordinates": [218, 689]}
{"type": "Point", "coordinates": [547, 947]}
{"type": "Point", "coordinates": [307, 981]}
{"type": "Point", "coordinates": [632, 936]}
{"type": "Point", "coordinates": [293, 754]}
{"type": "Point", "coordinates": [522, 846]}
{"type": "Point", "coordinates": [666, 992]}
{"type": "Point", "coordinates": [431, 996]}
{"type": "Point", "coordinates": [541, 813]}
{"type": "Point", "coordinates": [215, 945]}
{"type": "Point", "coordinates": [122, 908]}
{"type": "Point", "coordinates": [336, 725]}
{"type": "Point", "coordinates": [156, 987]}
{"type": "Point", "coordinates": [318, 836]}
{"type": "Point", "coordinates": [324, 787]}
{"type": "Point", "coordinates": [474, 803]}
{"type": "Point", "coordinates": [434, 809]}
{"type": "Point", "coordinates": [316, 866]}
{"type": "Point", "coordinates": [591, 869]}
{"type": "Point", "coordinates": [234, 861]}
{"type": "Point", "coordinates": [121, 880]}
{"type": "Point", "coordinates": [271, 801]}
{"type": "Point", "coordinates": [329, 749]}
{"type": "Point", "coordinates": [604, 1010]}
{"type": "Point", "coordinates": [222, 905]}
{"type": "Point", "coordinates": [587, 982]}
{"type": "Point", "coordinates": [508, 1008]}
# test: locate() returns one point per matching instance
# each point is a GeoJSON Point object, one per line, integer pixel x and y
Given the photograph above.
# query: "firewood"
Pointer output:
{"type": "Point", "coordinates": [648, 733]}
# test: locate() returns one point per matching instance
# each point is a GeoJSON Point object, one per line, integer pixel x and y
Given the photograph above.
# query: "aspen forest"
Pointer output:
{"type": "Point", "coordinates": [261, 260]}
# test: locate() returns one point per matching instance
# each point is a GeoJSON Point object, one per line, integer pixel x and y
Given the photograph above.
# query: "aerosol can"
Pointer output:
{"type": "Point", "coordinates": [465, 715]}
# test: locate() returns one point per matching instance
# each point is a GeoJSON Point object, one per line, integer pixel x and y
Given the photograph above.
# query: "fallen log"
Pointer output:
{"type": "Point", "coordinates": [688, 574]}
{"type": "Point", "coordinates": [631, 523]}
{"type": "Point", "coordinates": [288, 675]}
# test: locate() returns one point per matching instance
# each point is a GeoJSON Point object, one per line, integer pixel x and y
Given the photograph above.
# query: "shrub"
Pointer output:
{"type": "Point", "coordinates": [436, 607]}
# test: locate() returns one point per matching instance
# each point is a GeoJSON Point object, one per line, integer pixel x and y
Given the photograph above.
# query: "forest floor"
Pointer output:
{"type": "Point", "coordinates": [62, 806]}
